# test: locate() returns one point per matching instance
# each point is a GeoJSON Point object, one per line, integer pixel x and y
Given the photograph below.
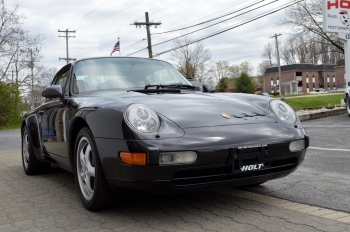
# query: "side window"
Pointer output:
{"type": "Point", "coordinates": [62, 80]}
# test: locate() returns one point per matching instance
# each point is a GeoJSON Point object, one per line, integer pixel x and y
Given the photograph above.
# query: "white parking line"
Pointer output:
{"type": "Point", "coordinates": [328, 149]}
{"type": "Point", "coordinates": [325, 126]}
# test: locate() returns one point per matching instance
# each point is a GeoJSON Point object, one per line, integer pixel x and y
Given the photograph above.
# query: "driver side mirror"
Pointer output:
{"type": "Point", "coordinates": [53, 91]}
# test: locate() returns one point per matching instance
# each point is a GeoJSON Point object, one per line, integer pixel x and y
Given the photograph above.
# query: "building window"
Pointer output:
{"type": "Point", "coordinates": [307, 75]}
{"type": "Point", "coordinates": [328, 74]}
{"type": "Point", "coordinates": [333, 85]}
{"type": "Point", "coordinates": [277, 77]}
{"type": "Point", "coordinates": [328, 84]}
{"type": "Point", "coordinates": [333, 74]}
{"type": "Point", "coordinates": [307, 85]}
{"type": "Point", "coordinates": [271, 77]}
{"type": "Point", "coordinates": [313, 85]}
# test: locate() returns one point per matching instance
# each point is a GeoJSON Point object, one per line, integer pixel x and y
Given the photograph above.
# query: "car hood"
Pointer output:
{"type": "Point", "coordinates": [200, 110]}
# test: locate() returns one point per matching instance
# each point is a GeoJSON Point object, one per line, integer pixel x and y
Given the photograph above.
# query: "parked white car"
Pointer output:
{"type": "Point", "coordinates": [318, 91]}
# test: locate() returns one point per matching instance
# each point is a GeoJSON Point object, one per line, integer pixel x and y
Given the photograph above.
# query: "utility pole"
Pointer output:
{"type": "Point", "coordinates": [31, 66]}
{"type": "Point", "coordinates": [278, 61]}
{"type": "Point", "coordinates": [148, 25]}
{"type": "Point", "coordinates": [67, 36]}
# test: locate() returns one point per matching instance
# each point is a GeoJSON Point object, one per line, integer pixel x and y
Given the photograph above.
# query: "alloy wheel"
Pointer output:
{"type": "Point", "coordinates": [25, 149]}
{"type": "Point", "coordinates": [86, 168]}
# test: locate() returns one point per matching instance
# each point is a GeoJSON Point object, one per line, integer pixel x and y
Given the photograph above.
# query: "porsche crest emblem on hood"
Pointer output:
{"type": "Point", "coordinates": [225, 115]}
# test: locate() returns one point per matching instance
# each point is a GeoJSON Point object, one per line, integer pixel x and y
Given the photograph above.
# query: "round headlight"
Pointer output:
{"type": "Point", "coordinates": [283, 111]}
{"type": "Point", "coordinates": [141, 118]}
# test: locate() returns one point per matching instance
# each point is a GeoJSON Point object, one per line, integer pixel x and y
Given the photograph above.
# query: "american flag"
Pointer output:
{"type": "Point", "coordinates": [116, 48]}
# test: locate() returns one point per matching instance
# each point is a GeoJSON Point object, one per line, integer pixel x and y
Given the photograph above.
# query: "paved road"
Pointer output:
{"type": "Point", "coordinates": [10, 139]}
{"type": "Point", "coordinates": [324, 177]}
{"type": "Point", "coordinates": [50, 202]}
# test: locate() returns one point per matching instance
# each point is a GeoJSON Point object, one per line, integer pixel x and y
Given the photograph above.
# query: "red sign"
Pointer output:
{"type": "Point", "coordinates": [338, 4]}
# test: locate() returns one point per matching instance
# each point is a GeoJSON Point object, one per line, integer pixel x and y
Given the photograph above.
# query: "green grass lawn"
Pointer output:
{"type": "Point", "coordinates": [315, 101]}
{"type": "Point", "coordinates": [10, 127]}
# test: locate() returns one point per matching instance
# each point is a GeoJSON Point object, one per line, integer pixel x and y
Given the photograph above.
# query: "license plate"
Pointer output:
{"type": "Point", "coordinates": [245, 160]}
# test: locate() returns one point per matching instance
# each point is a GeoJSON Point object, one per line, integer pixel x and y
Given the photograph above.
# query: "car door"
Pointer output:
{"type": "Point", "coordinates": [53, 114]}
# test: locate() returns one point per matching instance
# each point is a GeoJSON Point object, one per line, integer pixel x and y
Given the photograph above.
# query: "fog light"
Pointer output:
{"type": "Point", "coordinates": [181, 157]}
{"type": "Point", "coordinates": [133, 158]}
{"type": "Point", "coordinates": [297, 145]}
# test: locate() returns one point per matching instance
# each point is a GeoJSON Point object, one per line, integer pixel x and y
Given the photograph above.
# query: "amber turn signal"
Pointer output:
{"type": "Point", "coordinates": [133, 158]}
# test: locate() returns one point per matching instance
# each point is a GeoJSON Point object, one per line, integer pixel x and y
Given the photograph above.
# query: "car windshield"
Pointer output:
{"type": "Point", "coordinates": [123, 73]}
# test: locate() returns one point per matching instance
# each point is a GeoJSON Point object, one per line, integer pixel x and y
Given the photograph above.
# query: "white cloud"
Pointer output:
{"type": "Point", "coordinates": [96, 35]}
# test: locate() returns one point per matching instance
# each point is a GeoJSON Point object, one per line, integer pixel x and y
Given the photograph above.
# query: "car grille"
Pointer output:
{"type": "Point", "coordinates": [209, 175]}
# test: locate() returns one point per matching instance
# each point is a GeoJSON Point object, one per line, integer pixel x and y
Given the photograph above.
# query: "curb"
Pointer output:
{"type": "Point", "coordinates": [323, 114]}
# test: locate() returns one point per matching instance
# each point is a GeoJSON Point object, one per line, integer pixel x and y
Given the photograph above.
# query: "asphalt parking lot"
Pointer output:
{"type": "Point", "coordinates": [314, 198]}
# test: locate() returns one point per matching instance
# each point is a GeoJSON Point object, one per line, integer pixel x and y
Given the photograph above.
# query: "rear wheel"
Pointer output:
{"type": "Point", "coordinates": [31, 165]}
{"type": "Point", "coordinates": [94, 191]}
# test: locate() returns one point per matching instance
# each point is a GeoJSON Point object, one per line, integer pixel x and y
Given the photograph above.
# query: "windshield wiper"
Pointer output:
{"type": "Point", "coordinates": [155, 90]}
{"type": "Point", "coordinates": [174, 85]}
{"type": "Point", "coordinates": [159, 88]}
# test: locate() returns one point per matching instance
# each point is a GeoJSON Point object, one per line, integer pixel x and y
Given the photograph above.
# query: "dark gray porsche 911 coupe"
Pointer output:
{"type": "Point", "coordinates": [134, 123]}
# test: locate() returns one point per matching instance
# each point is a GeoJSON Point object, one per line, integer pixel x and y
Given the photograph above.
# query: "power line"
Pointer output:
{"type": "Point", "coordinates": [245, 7]}
{"type": "Point", "coordinates": [215, 23]}
{"type": "Point", "coordinates": [133, 45]}
{"type": "Point", "coordinates": [110, 15]}
{"type": "Point", "coordinates": [99, 6]}
{"type": "Point", "coordinates": [188, 8]}
{"type": "Point", "coordinates": [230, 28]}
{"type": "Point", "coordinates": [218, 50]}
{"type": "Point", "coordinates": [153, 13]}
{"type": "Point", "coordinates": [126, 36]}
{"type": "Point", "coordinates": [96, 21]}
{"type": "Point", "coordinates": [52, 36]}
{"type": "Point", "coordinates": [202, 18]}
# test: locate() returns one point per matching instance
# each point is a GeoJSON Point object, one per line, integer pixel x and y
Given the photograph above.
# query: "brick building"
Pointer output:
{"type": "Point", "coordinates": [303, 78]}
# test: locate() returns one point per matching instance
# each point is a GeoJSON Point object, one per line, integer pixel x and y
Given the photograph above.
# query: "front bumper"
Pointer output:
{"type": "Point", "coordinates": [216, 165]}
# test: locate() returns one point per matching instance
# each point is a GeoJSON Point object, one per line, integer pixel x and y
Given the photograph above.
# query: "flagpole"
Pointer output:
{"type": "Point", "coordinates": [119, 46]}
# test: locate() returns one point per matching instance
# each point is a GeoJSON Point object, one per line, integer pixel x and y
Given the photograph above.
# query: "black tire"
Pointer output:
{"type": "Point", "coordinates": [347, 102]}
{"type": "Point", "coordinates": [30, 164]}
{"type": "Point", "coordinates": [94, 191]}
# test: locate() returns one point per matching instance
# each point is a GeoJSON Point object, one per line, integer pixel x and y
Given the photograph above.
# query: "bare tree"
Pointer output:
{"type": "Point", "coordinates": [220, 69]}
{"type": "Point", "coordinates": [43, 78]}
{"type": "Point", "coordinates": [191, 58]}
{"type": "Point", "coordinates": [269, 53]}
{"type": "Point", "coordinates": [306, 18]}
{"type": "Point", "coordinates": [288, 51]}
{"type": "Point", "coordinates": [203, 74]}
{"type": "Point", "coordinates": [10, 33]}
{"type": "Point", "coordinates": [244, 67]}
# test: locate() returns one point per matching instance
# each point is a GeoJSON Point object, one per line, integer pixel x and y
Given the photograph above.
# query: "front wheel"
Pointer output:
{"type": "Point", "coordinates": [94, 191]}
{"type": "Point", "coordinates": [347, 102]}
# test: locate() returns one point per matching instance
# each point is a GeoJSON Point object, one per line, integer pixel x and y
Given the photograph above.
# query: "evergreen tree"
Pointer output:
{"type": "Point", "coordinates": [223, 84]}
{"type": "Point", "coordinates": [244, 84]}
